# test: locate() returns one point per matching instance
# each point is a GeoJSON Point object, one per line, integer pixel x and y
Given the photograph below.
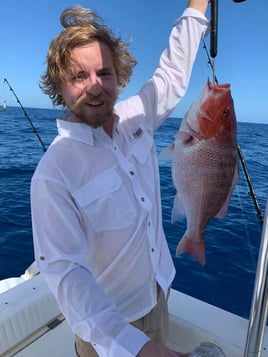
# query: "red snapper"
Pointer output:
{"type": "Point", "coordinates": [204, 165]}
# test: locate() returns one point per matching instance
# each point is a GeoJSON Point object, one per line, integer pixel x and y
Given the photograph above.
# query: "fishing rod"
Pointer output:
{"type": "Point", "coordinates": [213, 36]}
{"type": "Point", "coordinates": [258, 311]}
{"type": "Point", "coordinates": [214, 29]}
{"type": "Point", "coordinates": [26, 116]}
{"type": "Point", "coordinates": [211, 62]}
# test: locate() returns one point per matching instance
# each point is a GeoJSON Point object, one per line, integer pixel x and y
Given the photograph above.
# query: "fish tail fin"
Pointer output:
{"type": "Point", "coordinates": [196, 249]}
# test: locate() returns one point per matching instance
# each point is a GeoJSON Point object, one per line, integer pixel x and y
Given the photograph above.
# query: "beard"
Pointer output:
{"type": "Point", "coordinates": [94, 115]}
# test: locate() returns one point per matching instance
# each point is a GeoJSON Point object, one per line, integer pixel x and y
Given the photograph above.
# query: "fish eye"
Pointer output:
{"type": "Point", "coordinates": [226, 112]}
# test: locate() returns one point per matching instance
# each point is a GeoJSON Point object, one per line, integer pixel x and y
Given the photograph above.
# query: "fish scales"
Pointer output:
{"type": "Point", "coordinates": [204, 165]}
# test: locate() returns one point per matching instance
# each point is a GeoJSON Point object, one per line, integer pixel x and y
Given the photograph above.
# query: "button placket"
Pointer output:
{"type": "Point", "coordinates": [129, 169]}
{"type": "Point", "coordinates": [151, 240]}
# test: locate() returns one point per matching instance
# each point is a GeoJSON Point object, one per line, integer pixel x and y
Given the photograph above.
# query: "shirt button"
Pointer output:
{"type": "Point", "coordinates": [142, 199]}
{"type": "Point", "coordinates": [152, 250]}
{"type": "Point", "coordinates": [149, 223]}
{"type": "Point", "coordinates": [42, 257]}
{"type": "Point", "coordinates": [131, 173]}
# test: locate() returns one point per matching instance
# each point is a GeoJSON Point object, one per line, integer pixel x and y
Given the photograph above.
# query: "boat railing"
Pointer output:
{"type": "Point", "coordinates": [259, 303]}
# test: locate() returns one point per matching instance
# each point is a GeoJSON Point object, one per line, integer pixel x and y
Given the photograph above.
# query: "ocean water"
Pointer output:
{"type": "Point", "coordinates": [232, 244]}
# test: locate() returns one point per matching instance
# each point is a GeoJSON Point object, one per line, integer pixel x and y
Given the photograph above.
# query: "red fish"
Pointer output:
{"type": "Point", "coordinates": [205, 165]}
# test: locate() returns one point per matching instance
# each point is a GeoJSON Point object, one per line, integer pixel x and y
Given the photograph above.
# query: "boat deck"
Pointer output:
{"type": "Point", "coordinates": [31, 324]}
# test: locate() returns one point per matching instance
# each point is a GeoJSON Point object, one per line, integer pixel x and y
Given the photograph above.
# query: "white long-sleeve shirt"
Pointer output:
{"type": "Point", "coordinates": [96, 208]}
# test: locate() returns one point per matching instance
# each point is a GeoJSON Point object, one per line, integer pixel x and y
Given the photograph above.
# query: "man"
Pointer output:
{"type": "Point", "coordinates": [95, 195]}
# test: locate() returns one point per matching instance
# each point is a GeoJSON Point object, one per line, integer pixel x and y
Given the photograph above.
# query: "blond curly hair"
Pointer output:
{"type": "Point", "coordinates": [82, 26]}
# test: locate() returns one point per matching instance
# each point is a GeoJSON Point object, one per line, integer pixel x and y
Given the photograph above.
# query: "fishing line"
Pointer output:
{"type": "Point", "coordinates": [258, 311]}
{"type": "Point", "coordinates": [26, 116]}
{"type": "Point", "coordinates": [211, 62]}
{"type": "Point", "coordinates": [248, 240]}
{"type": "Point", "coordinates": [241, 157]}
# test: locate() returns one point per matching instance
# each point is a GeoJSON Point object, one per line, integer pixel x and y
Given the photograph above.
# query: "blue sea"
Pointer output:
{"type": "Point", "coordinates": [232, 243]}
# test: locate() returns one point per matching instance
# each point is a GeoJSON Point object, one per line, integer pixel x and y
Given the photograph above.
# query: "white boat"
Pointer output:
{"type": "Point", "coordinates": [31, 323]}
{"type": "Point", "coordinates": [4, 106]}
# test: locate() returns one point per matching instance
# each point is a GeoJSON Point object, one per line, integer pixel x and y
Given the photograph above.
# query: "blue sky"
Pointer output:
{"type": "Point", "coordinates": [28, 26]}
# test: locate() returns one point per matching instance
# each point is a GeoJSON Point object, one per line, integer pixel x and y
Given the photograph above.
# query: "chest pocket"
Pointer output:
{"type": "Point", "coordinates": [143, 157]}
{"type": "Point", "coordinates": [105, 202]}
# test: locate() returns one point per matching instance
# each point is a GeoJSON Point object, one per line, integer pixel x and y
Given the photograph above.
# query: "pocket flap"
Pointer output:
{"type": "Point", "coordinates": [100, 186]}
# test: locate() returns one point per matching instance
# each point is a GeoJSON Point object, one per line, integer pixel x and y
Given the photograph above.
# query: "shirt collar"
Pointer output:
{"type": "Point", "coordinates": [81, 131]}
{"type": "Point", "coordinates": [76, 131]}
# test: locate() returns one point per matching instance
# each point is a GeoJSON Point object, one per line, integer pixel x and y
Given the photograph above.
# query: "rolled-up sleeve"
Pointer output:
{"type": "Point", "coordinates": [168, 84]}
{"type": "Point", "coordinates": [172, 76]}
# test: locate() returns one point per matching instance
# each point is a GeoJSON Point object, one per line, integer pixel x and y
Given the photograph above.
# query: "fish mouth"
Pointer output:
{"type": "Point", "coordinates": [218, 88]}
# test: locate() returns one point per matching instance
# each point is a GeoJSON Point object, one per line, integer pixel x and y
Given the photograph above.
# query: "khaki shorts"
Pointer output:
{"type": "Point", "coordinates": [154, 324]}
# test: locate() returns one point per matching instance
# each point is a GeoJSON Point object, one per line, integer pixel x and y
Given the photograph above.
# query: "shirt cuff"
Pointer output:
{"type": "Point", "coordinates": [191, 12]}
{"type": "Point", "coordinates": [129, 342]}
